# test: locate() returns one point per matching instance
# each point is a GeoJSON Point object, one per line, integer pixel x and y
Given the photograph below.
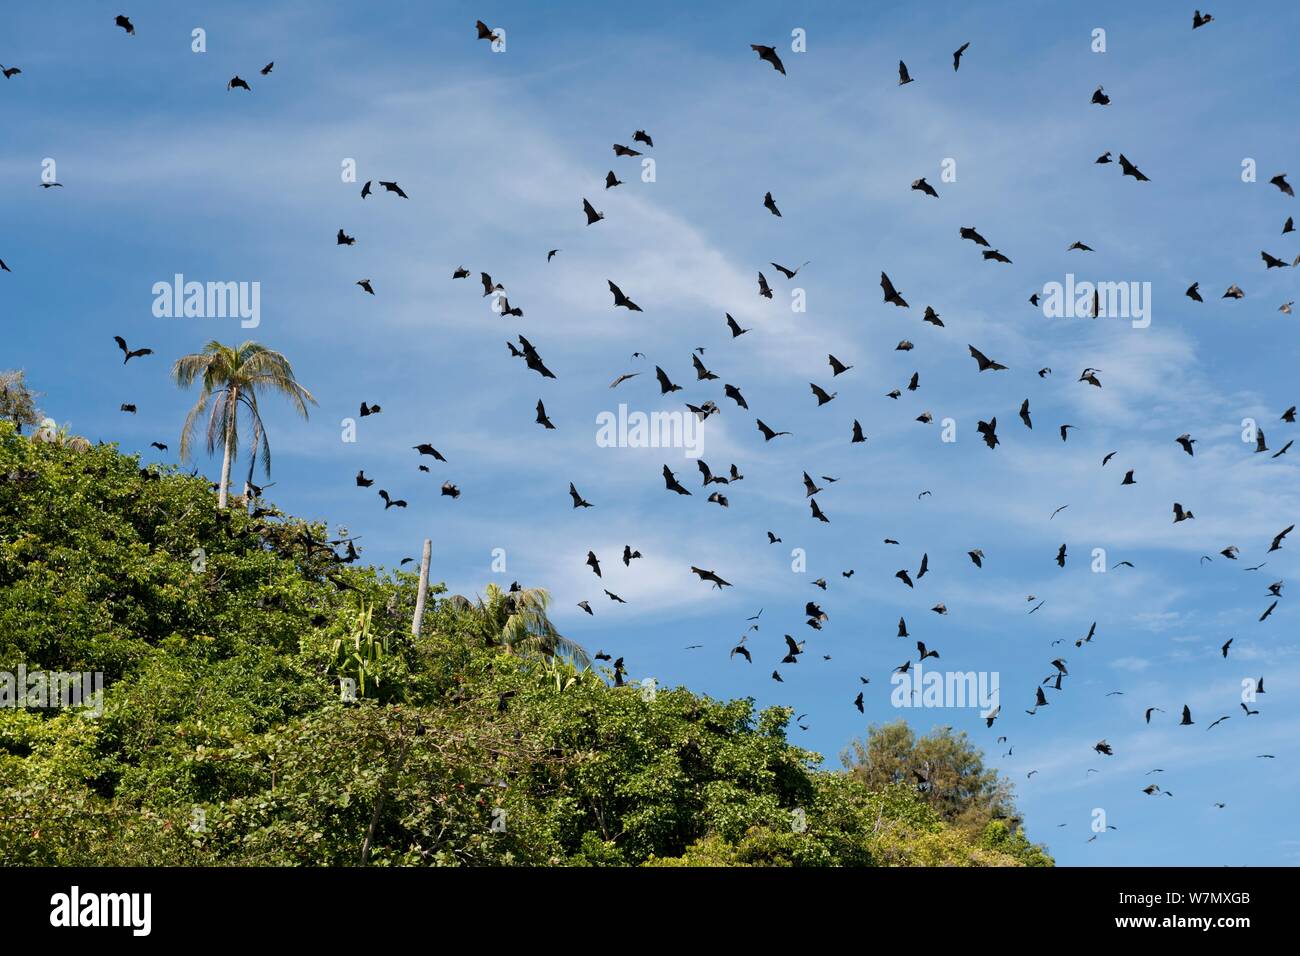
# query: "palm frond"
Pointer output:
{"type": "Point", "coordinates": [192, 425]}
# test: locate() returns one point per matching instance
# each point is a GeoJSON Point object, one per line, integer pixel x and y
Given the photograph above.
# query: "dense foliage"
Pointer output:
{"type": "Point", "coordinates": [225, 637]}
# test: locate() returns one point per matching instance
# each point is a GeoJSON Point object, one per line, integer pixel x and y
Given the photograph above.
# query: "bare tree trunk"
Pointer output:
{"type": "Point", "coordinates": [424, 588]}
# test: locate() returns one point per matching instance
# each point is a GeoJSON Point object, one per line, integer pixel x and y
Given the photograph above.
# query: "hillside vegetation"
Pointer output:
{"type": "Point", "coordinates": [224, 639]}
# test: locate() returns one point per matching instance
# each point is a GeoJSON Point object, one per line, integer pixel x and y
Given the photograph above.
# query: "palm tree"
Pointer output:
{"type": "Point", "coordinates": [231, 377]}
{"type": "Point", "coordinates": [517, 619]}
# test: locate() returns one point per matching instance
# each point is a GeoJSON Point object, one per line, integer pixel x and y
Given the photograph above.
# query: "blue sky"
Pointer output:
{"type": "Point", "coordinates": [166, 172]}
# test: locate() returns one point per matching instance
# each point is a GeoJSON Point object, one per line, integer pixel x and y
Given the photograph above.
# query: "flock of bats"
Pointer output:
{"type": "Point", "coordinates": [815, 616]}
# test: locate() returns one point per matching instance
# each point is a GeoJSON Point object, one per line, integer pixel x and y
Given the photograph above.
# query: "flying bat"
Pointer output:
{"type": "Point", "coordinates": [621, 300]}
{"type": "Point", "coordinates": [985, 363]}
{"type": "Point", "coordinates": [1130, 170]}
{"type": "Point", "coordinates": [891, 294]}
{"type": "Point", "coordinates": [129, 353]}
{"type": "Point", "coordinates": [768, 53]}
{"type": "Point", "coordinates": [712, 577]}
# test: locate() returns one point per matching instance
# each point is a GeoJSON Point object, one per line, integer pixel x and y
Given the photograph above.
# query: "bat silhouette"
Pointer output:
{"type": "Point", "coordinates": [129, 353]}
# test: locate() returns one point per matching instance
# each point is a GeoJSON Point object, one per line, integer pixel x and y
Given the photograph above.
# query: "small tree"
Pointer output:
{"type": "Point", "coordinates": [17, 401]}
{"type": "Point", "coordinates": [957, 784]}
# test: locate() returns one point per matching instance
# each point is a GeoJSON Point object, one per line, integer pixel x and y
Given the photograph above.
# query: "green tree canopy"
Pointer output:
{"type": "Point", "coordinates": [948, 772]}
{"type": "Point", "coordinates": [227, 639]}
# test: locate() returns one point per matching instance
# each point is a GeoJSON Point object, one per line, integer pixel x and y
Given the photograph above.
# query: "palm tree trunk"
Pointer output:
{"type": "Point", "coordinates": [225, 477]}
{"type": "Point", "coordinates": [224, 489]}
